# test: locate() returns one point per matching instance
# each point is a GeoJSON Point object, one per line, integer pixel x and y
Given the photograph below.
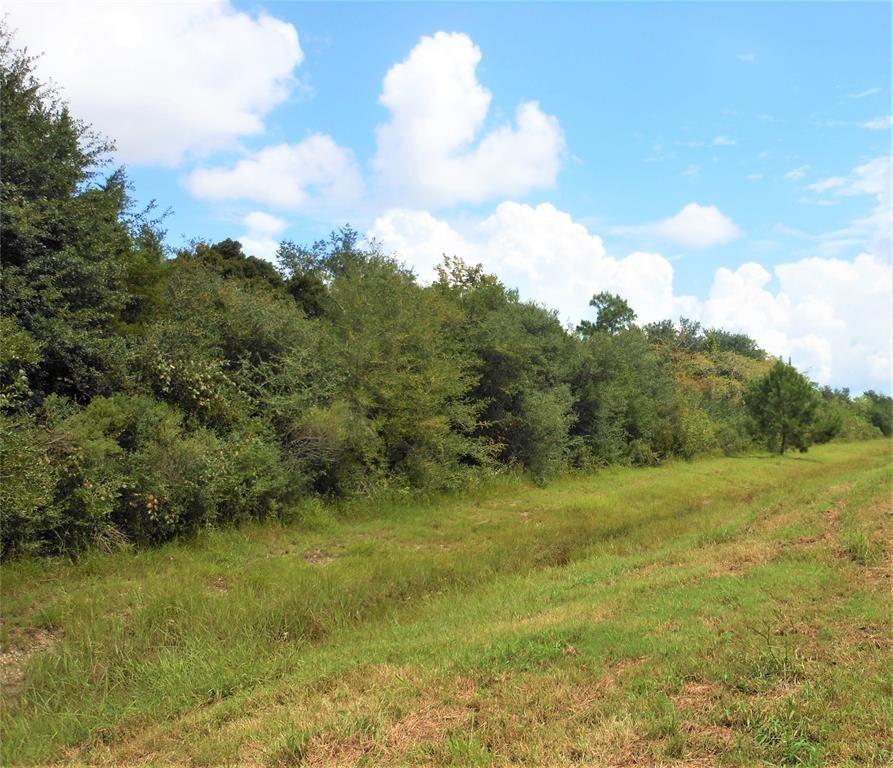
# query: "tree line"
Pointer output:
{"type": "Point", "coordinates": [146, 394]}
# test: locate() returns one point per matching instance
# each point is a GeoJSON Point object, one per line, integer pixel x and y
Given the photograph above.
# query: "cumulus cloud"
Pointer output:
{"type": "Point", "coordinates": [162, 79]}
{"type": "Point", "coordinates": [432, 150]}
{"type": "Point", "coordinates": [542, 251]}
{"type": "Point", "coordinates": [311, 175]}
{"type": "Point", "coordinates": [261, 236]}
{"type": "Point", "coordinates": [695, 226]}
{"type": "Point", "coordinates": [831, 316]}
{"type": "Point", "coordinates": [723, 141]}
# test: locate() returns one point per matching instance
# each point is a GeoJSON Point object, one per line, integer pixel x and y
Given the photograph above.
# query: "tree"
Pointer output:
{"type": "Point", "coordinates": [625, 400]}
{"type": "Point", "coordinates": [227, 259]}
{"type": "Point", "coordinates": [72, 248]}
{"type": "Point", "coordinates": [877, 409]}
{"type": "Point", "coordinates": [304, 277]}
{"type": "Point", "coordinates": [613, 315]}
{"type": "Point", "coordinates": [783, 405]}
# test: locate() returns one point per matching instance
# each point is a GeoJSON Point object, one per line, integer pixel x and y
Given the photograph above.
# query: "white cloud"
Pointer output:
{"type": "Point", "coordinates": [162, 79]}
{"type": "Point", "coordinates": [879, 123]}
{"type": "Point", "coordinates": [261, 235]}
{"type": "Point", "coordinates": [698, 226]}
{"type": "Point", "coordinates": [738, 300]}
{"type": "Point", "coordinates": [723, 141]}
{"type": "Point", "coordinates": [831, 316]}
{"type": "Point", "coordinates": [312, 175]}
{"type": "Point", "coordinates": [695, 226]}
{"type": "Point", "coordinates": [747, 58]}
{"type": "Point", "coordinates": [754, 176]}
{"type": "Point", "coordinates": [797, 173]}
{"type": "Point", "coordinates": [871, 178]}
{"type": "Point", "coordinates": [420, 239]}
{"type": "Point", "coordinates": [432, 152]}
{"type": "Point", "coordinates": [542, 251]}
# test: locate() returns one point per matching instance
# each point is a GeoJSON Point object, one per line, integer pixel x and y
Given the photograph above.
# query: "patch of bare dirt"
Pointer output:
{"type": "Point", "coordinates": [697, 696]}
{"type": "Point", "coordinates": [14, 659]}
{"type": "Point", "coordinates": [870, 636]}
{"type": "Point", "coordinates": [429, 723]}
{"type": "Point", "coordinates": [719, 737]}
{"type": "Point", "coordinates": [319, 557]}
{"type": "Point", "coordinates": [741, 559]}
{"type": "Point", "coordinates": [697, 701]}
{"type": "Point", "coordinates": [338, 752]}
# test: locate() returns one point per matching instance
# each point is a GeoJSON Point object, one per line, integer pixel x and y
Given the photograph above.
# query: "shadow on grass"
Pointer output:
{"type": "Point", "coordinates": [794, 457]}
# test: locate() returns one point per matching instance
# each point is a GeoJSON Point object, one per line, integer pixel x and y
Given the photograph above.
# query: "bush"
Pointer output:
{"type": "Point", "coordinates": [547, 417]}
{"type": "Point", "coordinates": [697, 433]}
{"type": "Point", "coordinates": [29, 517]}
{"type": "Point", "coordinates": [127, 465]}
{"type": "Point", "coordinates": [336, 449]}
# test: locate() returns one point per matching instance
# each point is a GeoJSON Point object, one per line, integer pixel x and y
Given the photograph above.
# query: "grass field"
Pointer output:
{"type": "Point", "coordinates": [721, 612]}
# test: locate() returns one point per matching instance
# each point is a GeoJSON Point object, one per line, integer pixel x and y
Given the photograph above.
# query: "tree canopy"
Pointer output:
{"type": "Point", "coordinates": [613, 315]}
{"type": "Point", "coordinates": [146, 394]}
{"type": "Point", "coordinates": [784, 407]}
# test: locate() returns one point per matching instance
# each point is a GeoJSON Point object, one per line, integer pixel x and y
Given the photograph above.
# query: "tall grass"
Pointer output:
{"type": "Point", "coordinates": [502, 580]}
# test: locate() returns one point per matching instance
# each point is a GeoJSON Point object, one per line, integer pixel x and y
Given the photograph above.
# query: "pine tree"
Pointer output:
{"type": "Point", "coordinates": [783, 405]}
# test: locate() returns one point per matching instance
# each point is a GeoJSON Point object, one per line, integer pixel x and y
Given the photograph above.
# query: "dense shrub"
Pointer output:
{"type": "Point", "coordinates": [144, 397]}
{"type": "Point", "coordinates": [29, 518]}
{"type": "Point", "coordinates": [126, 465]}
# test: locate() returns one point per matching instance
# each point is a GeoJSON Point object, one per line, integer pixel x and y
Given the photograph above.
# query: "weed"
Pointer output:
{"type": "Point", "coordinates": [860, 548]}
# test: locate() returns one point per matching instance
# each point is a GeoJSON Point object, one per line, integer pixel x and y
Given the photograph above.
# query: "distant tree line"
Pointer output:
{"type": "Point", "coordinates": [145, 395]}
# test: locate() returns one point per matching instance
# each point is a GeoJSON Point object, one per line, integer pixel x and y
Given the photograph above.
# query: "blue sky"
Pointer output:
{"type": "Point", "coordinates": [729, 162]}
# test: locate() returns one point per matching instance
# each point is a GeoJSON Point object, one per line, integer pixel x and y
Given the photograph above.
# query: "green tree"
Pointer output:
{"type": "Point", "coordinates": [613, 315]}
{"type": "Point", "coordinates": [784, 406]}
{"type": "Point", "coordinates": [521, 358]}
{"type": "Point", "coordinates": [72, 248]}
{"type": "Point", "coordinates": [625, 400]}
{"type": "Point", "coordinates": [877, 409]}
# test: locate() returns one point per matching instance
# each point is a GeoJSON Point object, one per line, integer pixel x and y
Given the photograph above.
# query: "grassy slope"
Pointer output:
{"type": "Point", "coordinates": [729, 611]}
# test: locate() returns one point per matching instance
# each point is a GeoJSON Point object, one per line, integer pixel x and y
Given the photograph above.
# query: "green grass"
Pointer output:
{"type": "Point", "coordinates": [727, 611]}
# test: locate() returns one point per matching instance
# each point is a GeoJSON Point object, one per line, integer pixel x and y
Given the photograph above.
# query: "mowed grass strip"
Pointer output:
{"type": "Point", "coordinates": [731, 611]}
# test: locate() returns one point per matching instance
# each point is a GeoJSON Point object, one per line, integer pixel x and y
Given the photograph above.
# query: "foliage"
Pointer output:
{"type": "Point", "coordinates": [784, 407]}
{"type": "Point", "coordinates": [613, 315]}
{"type": "Point", "coordinates": [146, 395]}
{"type": "Point", "coordinates": [503, 607]}
{"type": "Point", "coordinates": [625, 399]}
{"type": "Point", "coordinates": [28, 513]}
{"type": "Point", "coordinates": [878, 410]}
{"type": "Point", "coordinates": [69, 255]}
{"type": "Point", "coordinates": [519, 357]}
{"type": "Point", "coordinates": [127, 465]}
{"type": "Point", "coordinates": [227, 259]}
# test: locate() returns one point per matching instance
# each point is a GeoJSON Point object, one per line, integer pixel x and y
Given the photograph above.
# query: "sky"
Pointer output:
{"type": "Point", "coordinates": [726, 162]}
